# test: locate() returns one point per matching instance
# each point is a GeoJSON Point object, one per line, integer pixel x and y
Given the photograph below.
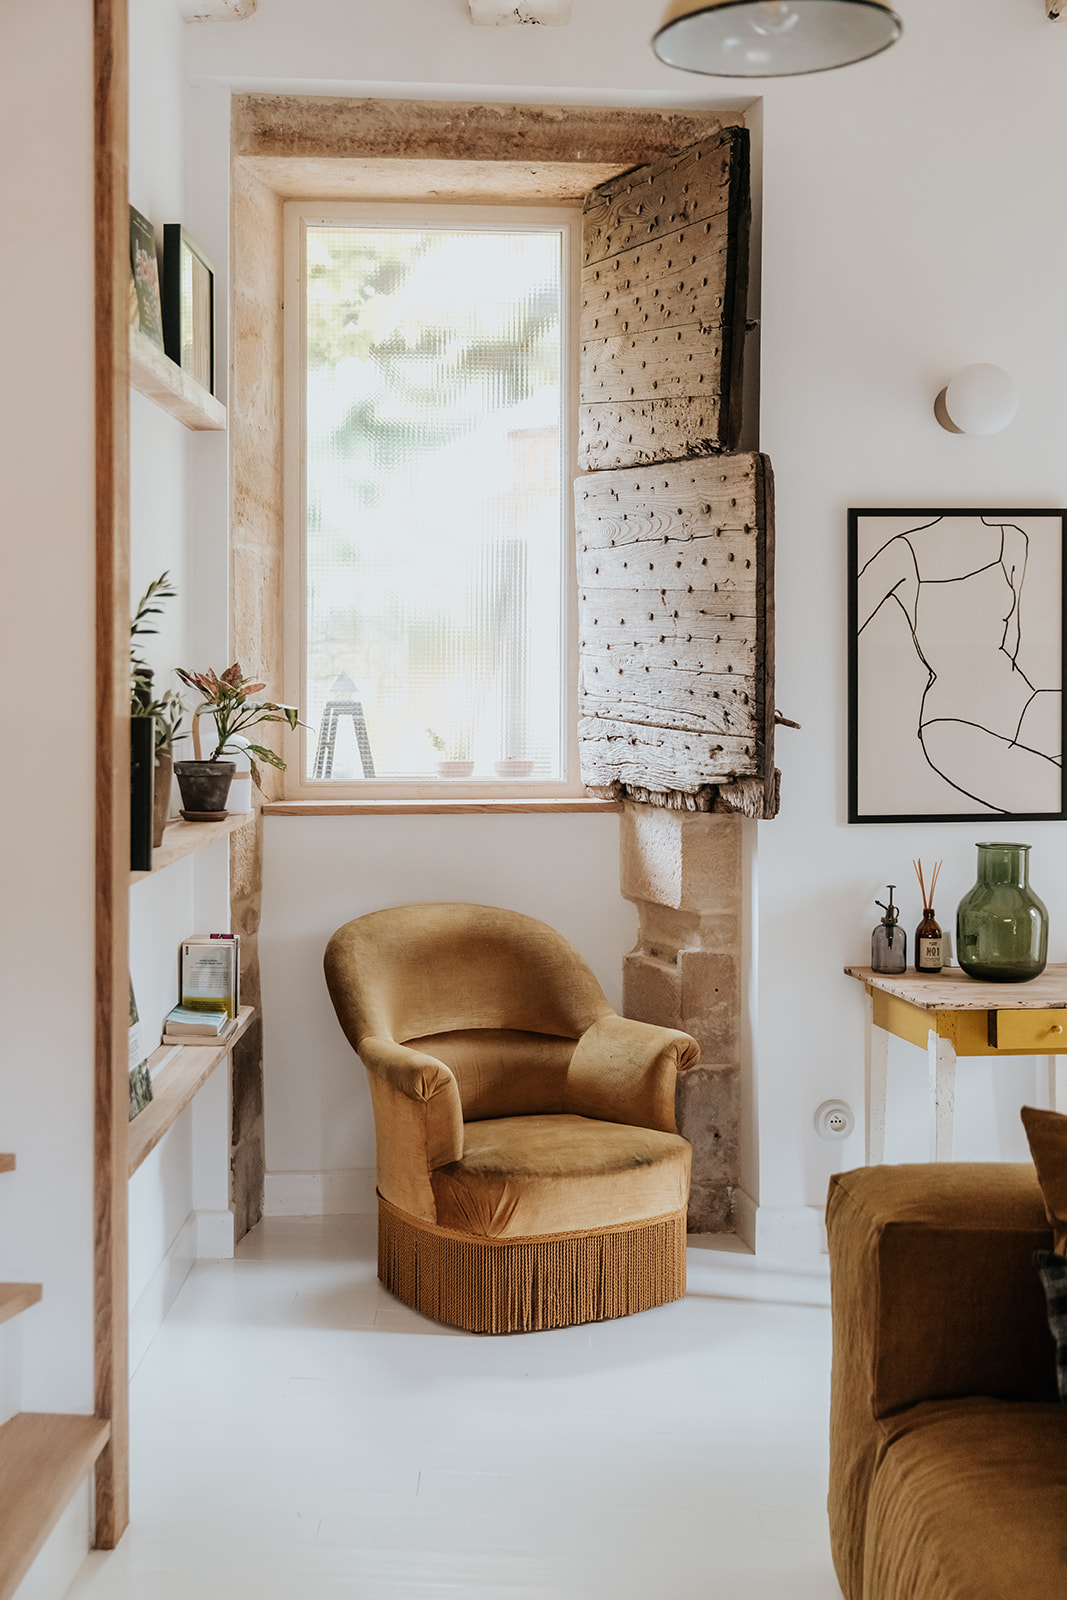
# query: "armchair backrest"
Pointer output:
{"type": "Point", "coordinates": [420, 970]}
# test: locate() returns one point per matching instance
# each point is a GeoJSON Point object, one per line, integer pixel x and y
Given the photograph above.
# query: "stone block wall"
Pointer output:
{"type": "Point", "coordinates": [684, 872]}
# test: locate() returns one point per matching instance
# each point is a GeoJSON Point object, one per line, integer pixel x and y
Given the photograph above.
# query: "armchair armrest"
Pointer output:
{"type": "Point", "coordinates": [934, 1297]}
{"type": "Point", "coordinates": [418, 1121]}
{"type": "Point", "coordinates": [625, 1071]}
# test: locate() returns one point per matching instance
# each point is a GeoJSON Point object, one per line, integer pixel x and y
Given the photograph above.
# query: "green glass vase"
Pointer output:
{"type": "Point", "coordinates": [1001, 925]}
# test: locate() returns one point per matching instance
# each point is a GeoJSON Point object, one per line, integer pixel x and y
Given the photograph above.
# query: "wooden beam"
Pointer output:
{"type": "Point", "coordinates": [111, 1092]}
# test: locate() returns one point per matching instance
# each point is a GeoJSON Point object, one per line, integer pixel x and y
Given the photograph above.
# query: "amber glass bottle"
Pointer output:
{"type": "Point", "coordinates": [929, 949]}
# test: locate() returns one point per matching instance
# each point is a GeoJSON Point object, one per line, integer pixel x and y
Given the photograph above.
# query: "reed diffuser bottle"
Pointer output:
{"type": "Point", "coordinates": [929, 945]}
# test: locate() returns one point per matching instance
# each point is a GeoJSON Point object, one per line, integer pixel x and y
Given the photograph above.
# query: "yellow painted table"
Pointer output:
{"type": "Point", "coordinates": [948, 1015]}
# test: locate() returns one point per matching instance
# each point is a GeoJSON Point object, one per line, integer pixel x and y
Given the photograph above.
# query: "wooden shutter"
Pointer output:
{"type": "Point", "coordinates": [675, 535]}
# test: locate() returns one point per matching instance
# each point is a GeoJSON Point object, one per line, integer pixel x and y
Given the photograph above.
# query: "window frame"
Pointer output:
{"type": "Point", "coordinates": [298, 215]}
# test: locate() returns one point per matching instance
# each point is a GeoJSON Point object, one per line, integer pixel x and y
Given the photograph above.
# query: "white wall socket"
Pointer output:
{"type": "Point", "coordinates": [834, 1120]}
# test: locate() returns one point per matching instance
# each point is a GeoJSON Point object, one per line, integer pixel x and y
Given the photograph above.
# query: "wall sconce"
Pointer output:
{"type": "Point", "coordinates": [772, 38]}
{"type": "Point", "coordinates": [981, 399]}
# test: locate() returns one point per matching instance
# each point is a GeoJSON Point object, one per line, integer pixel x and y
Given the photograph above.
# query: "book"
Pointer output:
{"type": "Point", "coordinates": [140, 1079]}
{"type": "Point", "coordinates": [145, 268]}
{"type": "Point", "coordinates": [182, 1022]}
{"type": "Point", "coordinates": [209, 973]}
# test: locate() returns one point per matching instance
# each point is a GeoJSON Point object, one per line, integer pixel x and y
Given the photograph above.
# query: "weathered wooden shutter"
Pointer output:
{"type": "Point", "coordinates": [675, 535]}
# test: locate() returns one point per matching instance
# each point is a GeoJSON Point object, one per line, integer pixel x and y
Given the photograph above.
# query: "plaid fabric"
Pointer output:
{"type": "Point", "coordinates": [1052, 1270]}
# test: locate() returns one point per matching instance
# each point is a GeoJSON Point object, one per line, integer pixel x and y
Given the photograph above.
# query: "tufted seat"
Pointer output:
{"type": "Point", "coordinates": [530, 1173]}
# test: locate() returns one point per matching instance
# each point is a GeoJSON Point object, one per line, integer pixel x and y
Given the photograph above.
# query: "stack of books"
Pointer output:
{"type": "Point", "coordinates": [184, 1026]}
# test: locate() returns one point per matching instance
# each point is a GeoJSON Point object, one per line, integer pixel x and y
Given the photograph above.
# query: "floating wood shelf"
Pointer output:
{"type": "Point", "coordinates": [178, 1071]}
{"type": "Point", "coordinates": [7, 1163]}
{"type": "Point", "coordinates": [182, 838]}
{"type": "Point", "coordinates": [44, 1456]}
{"type": "Point", "coordinates": [16, 1297]}
{"type": "Point", "coordinates": [154, 374]}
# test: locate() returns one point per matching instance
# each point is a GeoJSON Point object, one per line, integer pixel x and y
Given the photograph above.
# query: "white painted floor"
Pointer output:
{"type": "Point", "coordinates": [298, 1434]}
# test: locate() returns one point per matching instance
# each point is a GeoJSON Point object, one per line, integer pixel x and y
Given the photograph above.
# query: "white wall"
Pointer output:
{"type": "Point", "coordinates": [322, 872]}
{"type": "Point", "coordinates": [47, 634]}
{"type": "Point", "coordinates": [912, 223]}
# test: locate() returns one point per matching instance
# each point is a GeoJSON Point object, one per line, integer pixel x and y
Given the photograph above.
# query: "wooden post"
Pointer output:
{"type": "Point", "coordinates": [112, 271]}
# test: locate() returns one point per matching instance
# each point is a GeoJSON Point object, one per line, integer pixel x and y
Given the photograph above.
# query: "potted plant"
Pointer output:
{"type": "Point", "coordinates": [165, 712]}
{"type": "Point", "coordinates": [453, 759]}
{"type": "Point", "coordinates": [226, 698]}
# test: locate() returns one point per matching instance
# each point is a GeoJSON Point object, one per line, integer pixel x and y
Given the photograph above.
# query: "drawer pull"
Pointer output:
{"type": "Point", "coordinates": [1057, 1027]}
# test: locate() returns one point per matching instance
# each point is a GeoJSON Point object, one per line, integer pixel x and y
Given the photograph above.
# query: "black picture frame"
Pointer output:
{"type": "Point", "coordinates": [937, 673]}
{"type": "Point", "coordinates": [188, 305]}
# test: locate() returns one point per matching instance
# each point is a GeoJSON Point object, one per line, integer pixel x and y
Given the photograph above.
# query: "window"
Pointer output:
{"type": "Point", "coordinates": [429, 462]}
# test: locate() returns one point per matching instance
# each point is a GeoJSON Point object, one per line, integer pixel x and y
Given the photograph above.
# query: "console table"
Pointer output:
{"type": "Point", "coordinates": [948, 1015]}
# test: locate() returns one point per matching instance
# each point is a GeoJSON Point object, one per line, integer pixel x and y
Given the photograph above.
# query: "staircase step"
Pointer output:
{"type": "Point", "coordinates": [44, 1456]}
{"type": "Point", "coordinates": [16, 1297]}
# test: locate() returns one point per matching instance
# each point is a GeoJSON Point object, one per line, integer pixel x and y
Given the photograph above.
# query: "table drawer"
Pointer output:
{"type": "Point", "coordinates": [1029, 1032]}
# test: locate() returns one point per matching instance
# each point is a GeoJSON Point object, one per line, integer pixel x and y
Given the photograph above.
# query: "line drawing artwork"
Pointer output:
{"type": "Point", "coordinates": [957, 664]}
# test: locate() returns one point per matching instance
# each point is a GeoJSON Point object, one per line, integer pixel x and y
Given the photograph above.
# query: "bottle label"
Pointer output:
{"type": "Point", "coordinates": [930, 957]}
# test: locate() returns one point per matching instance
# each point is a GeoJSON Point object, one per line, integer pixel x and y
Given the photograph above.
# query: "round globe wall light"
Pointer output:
{"type": "Point", "coordinates": [982, 399]}
{"type": "Point", "coordinates": [772, 38]}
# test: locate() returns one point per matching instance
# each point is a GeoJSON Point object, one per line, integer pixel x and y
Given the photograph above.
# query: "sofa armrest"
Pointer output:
{"type": "Point", "coordinates": [625, 1071]}
{"type": "Point", "coordinates": [934, 1296]}
{"type": "Point", "coordinates": [418, 1122]}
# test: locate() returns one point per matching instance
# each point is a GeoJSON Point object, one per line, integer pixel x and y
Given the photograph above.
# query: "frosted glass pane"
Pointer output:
{"type": "Point", "coordinates": [434, 527]}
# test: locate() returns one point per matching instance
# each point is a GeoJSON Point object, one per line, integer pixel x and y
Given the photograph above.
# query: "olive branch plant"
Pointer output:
{"type": "Point", "coordinates": [166, 712]}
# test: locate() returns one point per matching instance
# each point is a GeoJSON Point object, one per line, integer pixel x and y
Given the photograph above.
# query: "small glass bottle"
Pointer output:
{"type": "Point", "coordinates": [929, 943]}
{"type": "Point", "coordinates": [889, 942]}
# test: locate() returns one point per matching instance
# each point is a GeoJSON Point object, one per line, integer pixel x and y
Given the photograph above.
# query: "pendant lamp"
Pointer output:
{"type": "Point", "coordinates": [772, 38]}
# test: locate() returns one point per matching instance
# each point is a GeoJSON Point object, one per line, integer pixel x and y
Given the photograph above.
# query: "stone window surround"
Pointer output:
{"type": "Point", "coordinates": [307, 147]}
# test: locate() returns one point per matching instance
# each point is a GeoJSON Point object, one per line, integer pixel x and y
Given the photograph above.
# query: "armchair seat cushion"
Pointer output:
{"type": "Point", "coordinates": [969, 1502]}
{"type": "Point", "coordinates": [522, 1177]}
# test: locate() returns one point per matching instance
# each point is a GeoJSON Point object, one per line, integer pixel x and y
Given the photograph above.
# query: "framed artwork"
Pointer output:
{"type": "Point", "coordinates": [956, 665]}
{"type": "Point", "coordinates": [188, 305]}
{"type": "Point", "coordinates": [145, 309]}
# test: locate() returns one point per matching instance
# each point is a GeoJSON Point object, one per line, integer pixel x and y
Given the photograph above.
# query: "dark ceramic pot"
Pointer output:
{"type": "Point", "coordinates": [204, 787]}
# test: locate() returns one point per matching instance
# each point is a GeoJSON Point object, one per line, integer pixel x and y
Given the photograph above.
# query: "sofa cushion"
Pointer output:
{"type": "Point", "coordinates": [969, 1502]}
{"type": "Point", "coordinates": [1047, 1133]}
{"type": "Point", "coordinates": [523, 1176]}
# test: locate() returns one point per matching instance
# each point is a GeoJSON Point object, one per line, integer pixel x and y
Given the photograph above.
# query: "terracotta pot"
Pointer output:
{"type": "Point", "coordinates": [204, 787]}
{"type": "Point", "coordinates": [513, 767]}
{"type": "Point", "coordinates": [161, 777]}
{"type": "Point", "coordinates": [455, 769]}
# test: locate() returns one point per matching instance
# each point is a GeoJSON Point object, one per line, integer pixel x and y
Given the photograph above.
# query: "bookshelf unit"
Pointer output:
{"type": "Point", "coordinates": [181, 838]}
{"type": "Point", "coordinates": [159, 378]}
{"type": "Point", "coordinates": [178, 1071]}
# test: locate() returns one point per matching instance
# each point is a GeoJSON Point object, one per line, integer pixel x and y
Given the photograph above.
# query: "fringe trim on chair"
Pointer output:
{"type": "Point", "coordinates": [522, 1285]}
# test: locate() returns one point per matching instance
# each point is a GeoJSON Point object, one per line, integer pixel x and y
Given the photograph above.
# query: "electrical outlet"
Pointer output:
{"type": "Point", "coordinates": [834, 1120]}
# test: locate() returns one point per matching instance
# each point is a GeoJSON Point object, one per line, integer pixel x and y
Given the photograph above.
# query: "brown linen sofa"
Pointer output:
{"type": "Point", "coordinates": [530, 1173]}
{"type": "Point", "coordinates": [948, 1448]}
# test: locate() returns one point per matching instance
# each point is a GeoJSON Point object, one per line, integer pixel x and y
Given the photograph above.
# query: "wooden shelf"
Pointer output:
{"type": "Point", "coordinates": [178, 1071]}
{"type": "Point", "coordinates": [7, 1163]}
{"type": "Point", "coordinates": [181, 838]}
{"type": "Point", "coordinates": [154, 374]}
{"type": "Point", "coordinates": [43, 1458]}
{"type": "Point", "coordinates": [16, 1297]}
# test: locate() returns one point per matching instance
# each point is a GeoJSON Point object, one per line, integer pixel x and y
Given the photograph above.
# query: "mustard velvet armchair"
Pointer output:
{"type": "Point", "coordinates": [530, 1173]}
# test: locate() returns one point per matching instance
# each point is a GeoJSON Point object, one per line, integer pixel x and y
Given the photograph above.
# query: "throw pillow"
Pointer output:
{"type": "Point", "coordinates": [1052, 1270]}
{"type": "Point", "coordinates": [1047, 1133]}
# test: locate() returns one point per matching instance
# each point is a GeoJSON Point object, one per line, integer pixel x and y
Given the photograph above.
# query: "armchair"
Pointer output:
{"type": "Point", "coordinates": [530, 1172]}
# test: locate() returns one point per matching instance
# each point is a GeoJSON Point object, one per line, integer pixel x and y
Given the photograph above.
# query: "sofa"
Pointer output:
{"type": "Point", "coordinates": [948, 1446]}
